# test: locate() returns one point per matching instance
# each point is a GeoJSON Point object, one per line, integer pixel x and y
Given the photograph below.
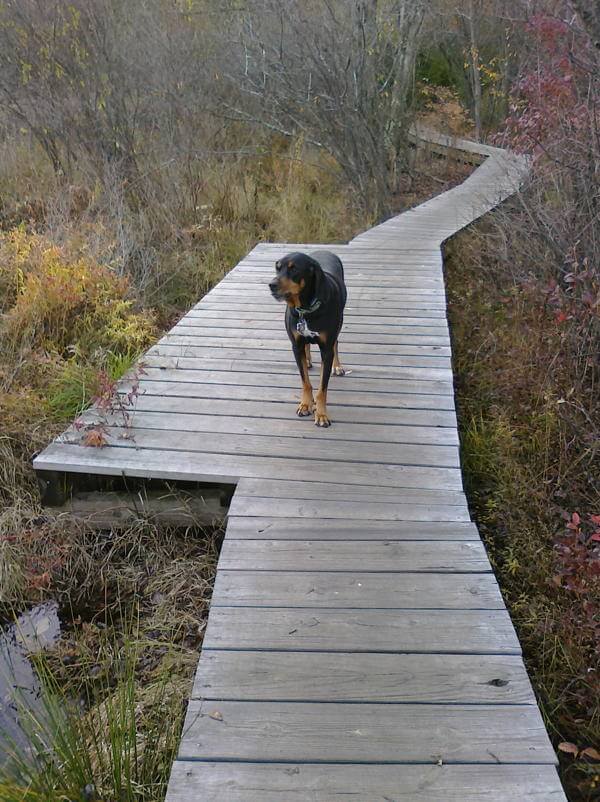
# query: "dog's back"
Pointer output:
{"type": "Point", "coordinates": [332, 265]}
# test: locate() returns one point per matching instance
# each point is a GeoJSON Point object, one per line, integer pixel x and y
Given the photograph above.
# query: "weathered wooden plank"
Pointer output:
{"type": "Point", "coordinates": [336, 247]}
{"type": "Point", "coordinates": [351, 309]}
{"type": "Point", "coordinates": [366, 733]}
{"type": "Point", "coordinates": [288, 367]}
{"type": "Point", "coordinates": [359, 631]}
{"type": "Point", "coordinates": [241, 528]}
{"type": "Point", "coordinates": [352, 383]}
{"type": "Point", "coordinates": [356, 589]}
{"type": "Point", "coordinates": [211, 353]}
{"type": "Point", "coordinates": [209, 327]}
{"type": "Point", "coordinates": [415, 285]}
{"type": "Point", "coordinates": [265, 446]}
{"type": "Point", "coordinates": [336, 395]}
{"type": "Point", "coordinates": [413, 336]}
{"type": "Point", "coordinates": [284, 365]}
{"type": "Point", "coordinates": [346, 677]}
{"type": "Point", "coordinates": [355, 274]}
{"type": "Point", "coordinates": [361, 415]}
{"type": "Point", "coordinates": [280, 344]}
{"type": "Point", "coordinates": [172, 420]}
{"type": "Point", "coordinates": [326, 510]}
{"type": "Point", "coordinates": [281, 782]}
{"type": "Point", "coordinates": [400, 300]}
{"type": "Point", "coordinates": [358, 294]}
{"type": "Point", "coordinates": [277, 488]}
{"type": "Point", "coordinates": [228, 469]}
{"type": "Point", "coordinates": [275, 316]}
{"type": "Point", "coordinates": [353, 555]}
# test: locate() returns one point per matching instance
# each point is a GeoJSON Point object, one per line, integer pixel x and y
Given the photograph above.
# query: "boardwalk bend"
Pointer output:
{"type": "Point", "coordinates": [358, 647]}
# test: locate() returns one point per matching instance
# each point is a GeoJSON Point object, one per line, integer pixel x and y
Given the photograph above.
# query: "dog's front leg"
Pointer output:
{"type": "Point", "coordinates": [321, 417]}
{"type": "Point", "coordinates": [306, 405]}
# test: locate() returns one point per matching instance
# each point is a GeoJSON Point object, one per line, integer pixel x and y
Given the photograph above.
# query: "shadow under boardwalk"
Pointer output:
{"type": "Point", "coordinates": [358, 646]}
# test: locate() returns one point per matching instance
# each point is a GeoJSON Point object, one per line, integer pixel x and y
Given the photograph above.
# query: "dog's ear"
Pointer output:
{"type": "Point", "coordinates": [317, 274]}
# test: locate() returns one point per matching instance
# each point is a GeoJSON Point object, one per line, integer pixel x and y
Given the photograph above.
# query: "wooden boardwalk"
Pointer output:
{"type": "Point", "coordinates": [357, 646]}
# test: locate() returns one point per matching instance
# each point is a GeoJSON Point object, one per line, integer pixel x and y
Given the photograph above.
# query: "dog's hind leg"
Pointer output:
{"type": "Point", "coordinates": [338, 370]}
{"type": "Point", "coordinates": [306, 405]}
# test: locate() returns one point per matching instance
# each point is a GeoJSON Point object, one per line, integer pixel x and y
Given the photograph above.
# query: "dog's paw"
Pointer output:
{"type": "Point", "coordinates": [309, 365]}
{"type": "Point", "coordinates": [339, 371]}
{"type": "Point", "coordinates": [322, 420]}
{"type": "Point", "coordinates": [304, 410]}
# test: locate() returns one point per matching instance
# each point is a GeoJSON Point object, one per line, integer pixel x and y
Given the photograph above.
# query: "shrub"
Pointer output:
{"type": "Point", "coordinates": [61, 301]}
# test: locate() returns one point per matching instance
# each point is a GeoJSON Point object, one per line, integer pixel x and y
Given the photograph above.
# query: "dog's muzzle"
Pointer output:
{"type": "Point", "coordinates": [274, 287]}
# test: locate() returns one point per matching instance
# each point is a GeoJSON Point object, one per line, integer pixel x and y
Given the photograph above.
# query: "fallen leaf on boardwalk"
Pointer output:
{"type": "Point", "coordinates": [565, 746]}
{"type": "Point", "coordinates": [216, 715]}
{"type": "Point", "coordinates": [94, 439]}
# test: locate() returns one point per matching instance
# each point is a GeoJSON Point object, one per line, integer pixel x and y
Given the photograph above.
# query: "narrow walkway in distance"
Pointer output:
{"type": "Point", "coordinates": [357, 646]}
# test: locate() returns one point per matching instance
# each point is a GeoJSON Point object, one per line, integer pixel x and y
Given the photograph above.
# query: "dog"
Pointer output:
{"type": "Point", "coordinates": [312, 285]}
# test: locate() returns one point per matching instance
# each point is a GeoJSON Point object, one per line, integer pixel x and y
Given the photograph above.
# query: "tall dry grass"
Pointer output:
{"type": "Point", "coordinates": [529, 420]}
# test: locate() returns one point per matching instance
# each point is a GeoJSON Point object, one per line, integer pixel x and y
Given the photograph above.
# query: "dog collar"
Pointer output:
{"type": "Point", "coordinates": [315, 304]}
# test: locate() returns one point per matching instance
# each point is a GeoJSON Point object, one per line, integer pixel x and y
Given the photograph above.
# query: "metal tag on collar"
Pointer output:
{"type": "Point", "coordinates": [302, 328]}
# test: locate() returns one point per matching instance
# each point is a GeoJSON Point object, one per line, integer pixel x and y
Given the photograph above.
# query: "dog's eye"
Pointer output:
{"type": "Point", "coordinates": [278, 266]}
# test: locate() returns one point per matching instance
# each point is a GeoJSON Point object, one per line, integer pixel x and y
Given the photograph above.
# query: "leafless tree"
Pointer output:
{"type": "Point", "coordinates": [97, 79]}
{"type": "Point", "coordinates": [338, 73]}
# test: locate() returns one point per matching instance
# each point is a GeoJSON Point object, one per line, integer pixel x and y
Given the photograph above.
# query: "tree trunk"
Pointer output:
{"type": "Point", "coordinates": [475, 74]}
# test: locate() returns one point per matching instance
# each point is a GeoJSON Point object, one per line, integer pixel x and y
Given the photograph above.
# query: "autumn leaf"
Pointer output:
{"type": "Point", "coordinates": [216, 715]}
{"type": "Point", "coordinates": [590, 752]}
{"type": "Point", "coordinates": [565, 746]}
{"type": "Point", "coordinates": [94, 439]}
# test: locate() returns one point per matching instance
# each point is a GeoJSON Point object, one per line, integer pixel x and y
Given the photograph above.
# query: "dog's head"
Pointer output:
{"type": "Point", "coordinates": [297, 275]}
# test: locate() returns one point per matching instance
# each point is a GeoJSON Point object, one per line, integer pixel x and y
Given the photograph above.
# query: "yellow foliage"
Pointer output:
{"type": "Point", "coordinates": [58, 301]}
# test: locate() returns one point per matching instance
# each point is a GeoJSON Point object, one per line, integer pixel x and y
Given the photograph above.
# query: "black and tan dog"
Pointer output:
{"type": "Point", "coordinates": [313, 287]}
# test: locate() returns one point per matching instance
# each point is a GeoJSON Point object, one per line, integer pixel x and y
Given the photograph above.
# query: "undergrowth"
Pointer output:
{"type": "Point", "coordinates": [529, 421]}
{"type": "Point", "coordinates": [113, 737]}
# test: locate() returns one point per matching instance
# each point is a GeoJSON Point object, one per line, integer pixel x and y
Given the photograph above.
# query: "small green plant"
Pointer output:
{"type": "Point", "coordinates": [70, 393]}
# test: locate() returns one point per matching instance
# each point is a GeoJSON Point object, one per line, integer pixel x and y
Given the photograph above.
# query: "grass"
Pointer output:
{"type": "Point", "coordinates": [528, 418]}
{"type": "Point", "coordinates": [113, 690]}
{"type": "Point", "coordinates": [113, 741]}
